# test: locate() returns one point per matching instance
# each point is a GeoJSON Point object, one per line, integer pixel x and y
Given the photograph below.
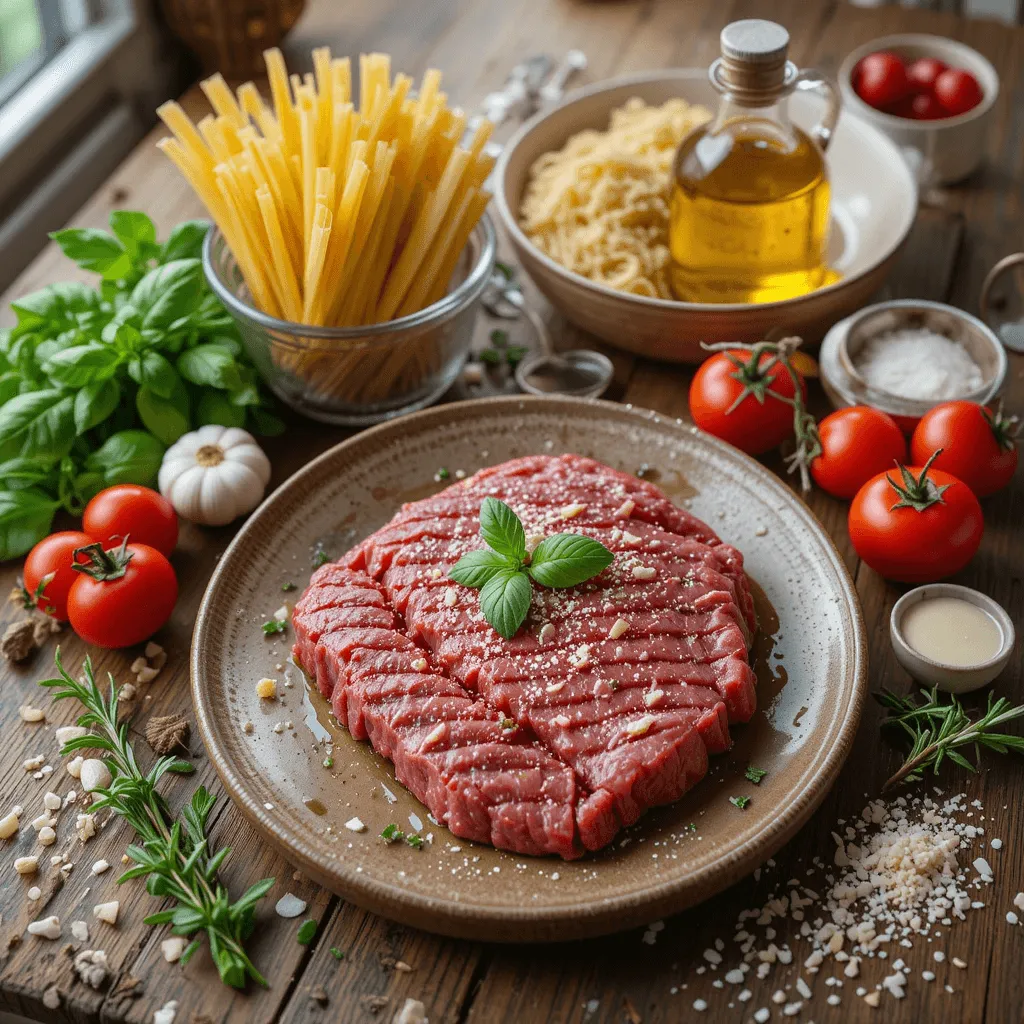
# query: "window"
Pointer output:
{"type": "Point", "coordinates": [79, 80]}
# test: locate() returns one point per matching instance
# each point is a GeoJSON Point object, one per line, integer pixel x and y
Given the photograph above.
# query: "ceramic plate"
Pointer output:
{"type": "Point", "coordinates": [810, 660]}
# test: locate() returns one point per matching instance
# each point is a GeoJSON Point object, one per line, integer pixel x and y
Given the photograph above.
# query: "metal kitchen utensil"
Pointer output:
{"type": "Point", "coordinates": [1010, 331]}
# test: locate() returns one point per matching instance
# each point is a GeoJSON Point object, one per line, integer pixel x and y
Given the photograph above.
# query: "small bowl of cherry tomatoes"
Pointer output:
{"type": "Point", "coordinates": [934, 97]}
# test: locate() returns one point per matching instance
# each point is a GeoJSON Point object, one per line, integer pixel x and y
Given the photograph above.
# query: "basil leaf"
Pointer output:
{"type": "Point", "coordinates": [500, 527]}
{"type": "Point", "coordinates": [167, 418]}
{"type": "Point", "coordinates": [210, 365]}
{"type": "Point", "coordinates": [95, 250]}
{"type": "Point", "coordinates": [136, 233]}
{"type": "Point", "coordinates": [216, 407]}
{"type": "Point", "coordinates": [53, 309]}
{"type": "Point", "coordinates": [39, 423]}
{"type": "Point", "coordinates": [94, 403]}
{"type": "Point", "coordinates": [128, 457]}
{"type": "Point", "coordinates": [185, 241]}
{"type": "Point", "coordinates": [25, 471]}
{"type": "Point", "coordinates": [155, 372]}
{"type": "Point", "coordinates": [168, 293]}
{"type": "Point", "coordinates": [81, 364]}
{"type": "Point", "coordinates": [25, 518]}
{"type": "Point", "coordinates": [567, 559]}
{"type": "Point", "coordinates": [505, 600]}
{"type": "Point", "coordinates": [475, 568]}
{"type": "Point", "coordinates": [10, 385]}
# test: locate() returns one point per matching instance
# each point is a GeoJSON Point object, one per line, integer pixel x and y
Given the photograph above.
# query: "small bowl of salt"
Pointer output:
{"type": "Point", "coordinates": [906, 356]}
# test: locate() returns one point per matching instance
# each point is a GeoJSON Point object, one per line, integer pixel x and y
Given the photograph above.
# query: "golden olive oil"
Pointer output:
{"type": "Point", "coordinates": [750, 214]}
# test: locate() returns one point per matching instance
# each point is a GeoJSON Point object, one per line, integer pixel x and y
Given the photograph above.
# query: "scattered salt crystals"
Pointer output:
{"type": "Point", "coordinates": [8, 825]}
{"type": "Point", "coordinates": [106, 912]}
{"type": "Point", "coordinates": [80, 931]}
{"type": "Point", "coordinates": [982, 867]}
{"type": "Point", "coordinates": [792, 1009]}
{"type": "Point", "coordinates": [873, 998]}
{"type": "Point", "coordinates": [94, 774]}
{"type": "Point", "coordinates": [46, 928]}
{"type": "Point", "coordinates": [643, 572]}
{"type": "Point", "coordinates": [165, 1015]}
{"type": "Point", "coordinates": [67, 733]}
{"type": "Point", "coordinates": [651, 934]}
{"type": "Point", "coordinates": [700, 1005]}
{"type": "Point", "coordinates": [34, 893]}
{"type": "Point", "coordinates": [26, 865]}
{"type": "Point", "coordinates": [735, 977]}
{"type": "Point", "coordinates": [928, 975]}
{"type": "Point", "coordinates": [957, 962]}
{"type": "Point", "coordinates": [625, 509]}
{"type": "Point", "coordinates": [640, 726]}
{"type": "Point", "coordinates": [388, 795]}
{"type": "Point", "coordinates": [762, 1015]}
{"type": "Point", "coordinates": [547, 631]}
{"type": "Point", "coordinates": [918, 363]}
{"type": "Point", "coordinates": [834, 1000]}
{"type": "Point", "coordinates": [47, 837]}
{"type": "Point", "coordinates": [51, 801]}
{"type": "Point", "coordinates": [30, 714]}
{"type": "Point", "coordinates": [416, 822]}
{"type": "Point", "coordinates": [290, 906]}
{"type": "Point", "coordinates": [91, 967]}
{"type": "Point", "coordinates": [413, 1012]}
{"type": "Point", "coordinates": [712, 956]}
{"type": "Point", "coordinates": [99, 867]}
{"type": "Point", "coordinates": [419, 665]}
{"type": "Point", "coordinates": [745, 995]}
{"type": "Point", "coordinates": [996, 844]}
{"type": "Point", "coordinates": [803, 988]}
{"type": "Point", "coordinates": [1018, 901]}
{"type": "Point", "coordinates": [939, 956]}
{"type": "Point", "coordinates": [51, 998]}
{"type": "Point", "coordinates": [172, 948]}
{"type": "Point", "coordinates": [1012, 918]}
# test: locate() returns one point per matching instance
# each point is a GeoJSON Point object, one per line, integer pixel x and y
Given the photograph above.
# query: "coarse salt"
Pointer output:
{"type": "Point", "coordinates": [918, 363]}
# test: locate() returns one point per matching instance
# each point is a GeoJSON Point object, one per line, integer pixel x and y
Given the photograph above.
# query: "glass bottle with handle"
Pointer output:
{"type": "Point", "coordinates": [750, 190]}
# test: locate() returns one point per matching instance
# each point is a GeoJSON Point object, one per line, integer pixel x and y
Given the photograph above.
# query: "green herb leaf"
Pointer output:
{"type": "Point", "coordinates": [274, 626]}
{"type": "Point", "coordinates": [168, 294]}
{"type": "Point", "coordinates": [215, 407]}
{"type": "Point", "coordinates": [442, 474]}
{"type": "Point", "coordinates": [475, 568]}
{"type": "Point", "coordinates": [320, 557]}
{"type": "Point", "coordinates": [501, 529]}
{"type": "Point", "coordinates": [286, 587]}
{"type": "Point", "coordinates": [151, 370]}
{"type": "Point", "coordinates": [25, 518]}
{"type": "Point", "coordinates": [491, 357]}
{"type": "Point", "coordinates": [210, 366]}
{"type": "Point", "coordinates": [499, 338]}
{"type": "Point", "coordinates": [185, 242]}
{"type": "Point", "coordinates": [515, 354]}
{"type": "Point", "coordinates": [38, 423]}
{"type": "Point", "coordinates": [306, 932]}
{"type": "Point", "coordinates": [337, 953]}
{"type": "Point", "coordinates": [392, 834]}
{"type": "Point", "coordinates": [739, 801]}
{"type": "Point", "coordinates": [755, 775]}
{"type": "Point", "coordinates": [166, 418]}
{"type": "Point", "coordinates": [568, 559]}
{"type": "Point", "coordinates": [82, 364]}
{"type": "Point", "coordinates": [127, 457]}
{"type": "Point", "coordinates": [95, 402]}
{"type": "Point", "coordinates": [505, 601]}
{"type": "Point", "coordinates": [416, 842]}
{"type": "Point", "coordinates": [95, 250]}
{"type": "Point", "coordinates": [136, 233]}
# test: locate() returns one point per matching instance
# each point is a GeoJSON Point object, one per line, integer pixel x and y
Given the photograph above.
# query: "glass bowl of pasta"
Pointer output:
{"type": "Point", "coordinates": [583, 192]}
{"type": "Point", "coordinates": [356, 376]}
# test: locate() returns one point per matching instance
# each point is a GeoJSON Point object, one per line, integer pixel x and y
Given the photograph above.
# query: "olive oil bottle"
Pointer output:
{"type": "Point", "coordinates": [750, 195]}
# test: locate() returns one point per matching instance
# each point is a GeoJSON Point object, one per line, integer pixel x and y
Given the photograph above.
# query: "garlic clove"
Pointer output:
{"type": "Point", "coordinates": [252, 457]}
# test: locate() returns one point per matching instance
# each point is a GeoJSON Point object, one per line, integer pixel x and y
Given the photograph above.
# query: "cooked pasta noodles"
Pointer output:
{"type": "Point", "coordinates": [599, 206]}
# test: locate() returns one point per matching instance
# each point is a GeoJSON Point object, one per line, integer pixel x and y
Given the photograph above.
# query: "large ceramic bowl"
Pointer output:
{"type": "Point", "coordinates": [873, 207]}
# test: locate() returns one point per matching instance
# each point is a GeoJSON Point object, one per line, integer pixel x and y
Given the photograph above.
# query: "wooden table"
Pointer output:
{"type": "Point", "coordinates": [959, 234]}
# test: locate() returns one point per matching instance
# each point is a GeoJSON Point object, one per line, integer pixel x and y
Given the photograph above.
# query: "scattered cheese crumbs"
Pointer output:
{"type": "Point", "coordinates": [165, 1015]}
{"type": "Point", "coordinates": [153, 650]}
{"type": "Point", "coordinates": [47, 928]}
{"type": "Point", "coordinates": [434, 736]}
{"type": "Point", "coordinates": [8, 825]}
{"type": "Point", "coordinates": [619, 628]}
{"type": "Point", "coordinates": [957, 962]}
{"type": "Point", "coordinates": [266, 688]}
{"type": "Point", "coordinates": [555, 687]}
{"type": "Point", "coordinates": [571, 511]}
{"type": "Point", "coordinates": [290, 906]}
{"type": "Point", "coordinates": [561, 721]}
{"type": "Point", "coordinates": [651, 697]}
{"type": "Point", "coordinates": [580, 658]}
{"type": "Point", "coordinates": [80, 931]}
{"type": "Point", "coordinates": [761, 531]}
{"type": "Point", "coordinates": [47, 837]}
{"type": "Point", "coordinates": [34, 893]}
{"type": "Point", "coordinates": [138, 664]}
{"type": "Point", "coordinates": [67, 733]}
{"type": "Point", "coordinates": [631, 538]}
{"type": "Point", "coordinates": [85, 826]}
{"type": "Point", "coordinates": [51, 802]}
{"type": "Point", "coordinates": [451, 597]}
{"type": "Point", "coordinates": [547, 631]}
{"type": "Point", "coordinates": [762, 1015]}
{"type": "Point", "coordinates": [735, 977]}
{"type": "Point", "coordinates": [803, 988]}
{"type": "Point", "coordinates": [355, 825]}
{"type": "Point", "coordinates": [413, 1012]}
{"type": "Point", "coordinates": [644, 572]}
{"type": "Point", "coordinates": [127, 691]}
{"type": "Point", "coordinates": [172, 948]}
{"type": "Point", "coordinates": [26, 865]}
{"type": "Point", "coordinates": [99, 867]}
{"type": "Point", "coordinates": [873, 998]}
{"type": "Point", "coordinates": [33, 763]}
{"type": "Point", "coordinates": [1018, 901]}
{"type": "Point", "coordinates": [43, 821]}
{"type": "Point", "coordinates": [51, 998]}
{"type": "Point", "coordinates": [419, 665]}
{"type": "Point", "coordinates": [281, 614]}
{"type": "Point", "coordinates": [74, 767]}
{"type": "Point", "coordinates": [94, 775]}
{"type": "Point", "coordinates": [91, 966]}
{"type": "Point", "coordinates": [625, 509]}
{"type": "Point", "coordinates": [147, 674]}
{"type": "Point", "coordinates": [30, 714]}
{"type": "Point", "coordinates": [640, 726]}
{"type": "Point", "coordinates": [106, 911]}
{"type": "Point", "coordinates": [982, 866]}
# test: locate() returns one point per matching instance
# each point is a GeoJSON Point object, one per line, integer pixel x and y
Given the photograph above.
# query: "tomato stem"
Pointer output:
{"type": "Point", "coordinates": [756, 380]}
{"type": "Point", "coordinates": [917, 492]}
{"type": "Point", "coordinates": [1004, 428]}
{"type": "Point", "coordinates": [102, 564]}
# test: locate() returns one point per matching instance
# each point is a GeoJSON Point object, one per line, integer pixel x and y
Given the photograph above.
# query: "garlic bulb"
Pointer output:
{"type": "Point", "coordinates": [214, 475]}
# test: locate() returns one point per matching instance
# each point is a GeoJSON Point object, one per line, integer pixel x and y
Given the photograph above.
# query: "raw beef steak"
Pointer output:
{"type": "Point", "coordinates": [606, 702]}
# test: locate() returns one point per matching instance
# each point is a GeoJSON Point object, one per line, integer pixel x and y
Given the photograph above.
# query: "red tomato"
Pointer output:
{"type": "Point", "coordinates": [128, 510]}
{"type": "Point", "coordinates": [880, 79]}
{"type": "Point", "coordinates": [957, 91]}
{"type": "Point", "coordinates": [856, 444]}
{"type": "Point", "coordinates": [719, 406]}
{"type": "Point", "coordinates": [128, 594]}
{"type": "Point", "coordinates": [52, 557]}
{"type": "Point", "coordinates": [977, 445]}
{"type": "Point", "coordinates": [921, 74]}
{"type": "Point", "coordinates": [925, 107]}
{"type": "Point", "coordinates": [916, 530]}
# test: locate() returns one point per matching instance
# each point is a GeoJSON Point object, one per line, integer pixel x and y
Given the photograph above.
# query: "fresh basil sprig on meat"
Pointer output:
{"type": "Point", "coordinates": [502, 571]}
{"type": "Point", "coordinates": [96, 382]}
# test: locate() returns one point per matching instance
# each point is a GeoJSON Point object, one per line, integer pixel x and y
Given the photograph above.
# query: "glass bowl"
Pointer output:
{"type": "Point", "coordinates": [355, 376]}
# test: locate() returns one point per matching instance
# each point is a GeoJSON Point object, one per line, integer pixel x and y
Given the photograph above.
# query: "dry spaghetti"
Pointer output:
{"type": "Point", "coordinates": [599, 206]}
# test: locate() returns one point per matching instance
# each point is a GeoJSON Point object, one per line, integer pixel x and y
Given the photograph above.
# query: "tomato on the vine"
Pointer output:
{"type": "Point", "coordinates": [856, 444]}
{"type": "Point", "coordinates": [744, 399]}
{"type": "Point", "coordinates": [918, 530]}
{"type": "Point", "coordinates": [122, 596]}
{"type": "Point", "coordinates": [129, 510]}
{"type": "Point", "coordinates": [47, 573]}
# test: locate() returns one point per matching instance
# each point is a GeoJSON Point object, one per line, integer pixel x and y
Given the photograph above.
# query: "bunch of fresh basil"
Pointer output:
{"type": "Point", "coordinates": [95, 383]}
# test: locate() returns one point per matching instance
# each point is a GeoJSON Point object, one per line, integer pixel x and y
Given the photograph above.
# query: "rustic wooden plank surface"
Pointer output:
{"type": "Point", "coordinates": [959, 233]}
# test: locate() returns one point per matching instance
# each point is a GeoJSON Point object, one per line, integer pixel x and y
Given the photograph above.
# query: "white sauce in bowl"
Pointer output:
{"type": "Point", "coordinates": [951, 631]}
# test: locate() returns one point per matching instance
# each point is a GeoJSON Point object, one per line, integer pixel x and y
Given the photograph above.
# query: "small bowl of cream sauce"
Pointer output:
{"type": "Point", "coordinates": [952, 637]}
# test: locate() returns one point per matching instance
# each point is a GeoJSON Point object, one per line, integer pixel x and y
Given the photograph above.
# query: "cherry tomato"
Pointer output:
{"type": "Point", "coordinates": [719, 406]}
{"type": "Point", "coordinates": [52, 557]}
{"type": "Point", "coordinates": [957, 91]}
{"type": "Point", "coordinates": [918, 529]}
{"type": "Point", "coordinates": [856, 444]}
{"type": "Point", "coordinates": [128, 510]}
{"type": "Point", "coordinates": [880, 79]}
{"type": "Point", "coordinates": [128, 594]}
{"type": "Point", "coordinates": [925, 107]}
{"type": "Point", "coordinates": [977, 444]}
{"type": "Point", "coordinates": [921, 73]}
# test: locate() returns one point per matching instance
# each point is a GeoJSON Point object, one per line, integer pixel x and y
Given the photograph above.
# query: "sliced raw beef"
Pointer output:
{"type": "Point", "coordinates": [609, 699]}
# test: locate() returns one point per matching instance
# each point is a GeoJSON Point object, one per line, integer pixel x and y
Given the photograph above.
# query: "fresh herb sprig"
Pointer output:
{"type": "Point", "coordinates": [502, 571]}
{"type": "Point", "coordinates": [936, 728]}
{"type": "Point", "coordinates": [174, 856]}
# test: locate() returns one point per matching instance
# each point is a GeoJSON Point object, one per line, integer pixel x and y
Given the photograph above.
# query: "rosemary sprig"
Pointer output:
{"type": "Point", "coordinates": [174, 856]}
{"type": "Point", "coordinates": [936, 728]}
